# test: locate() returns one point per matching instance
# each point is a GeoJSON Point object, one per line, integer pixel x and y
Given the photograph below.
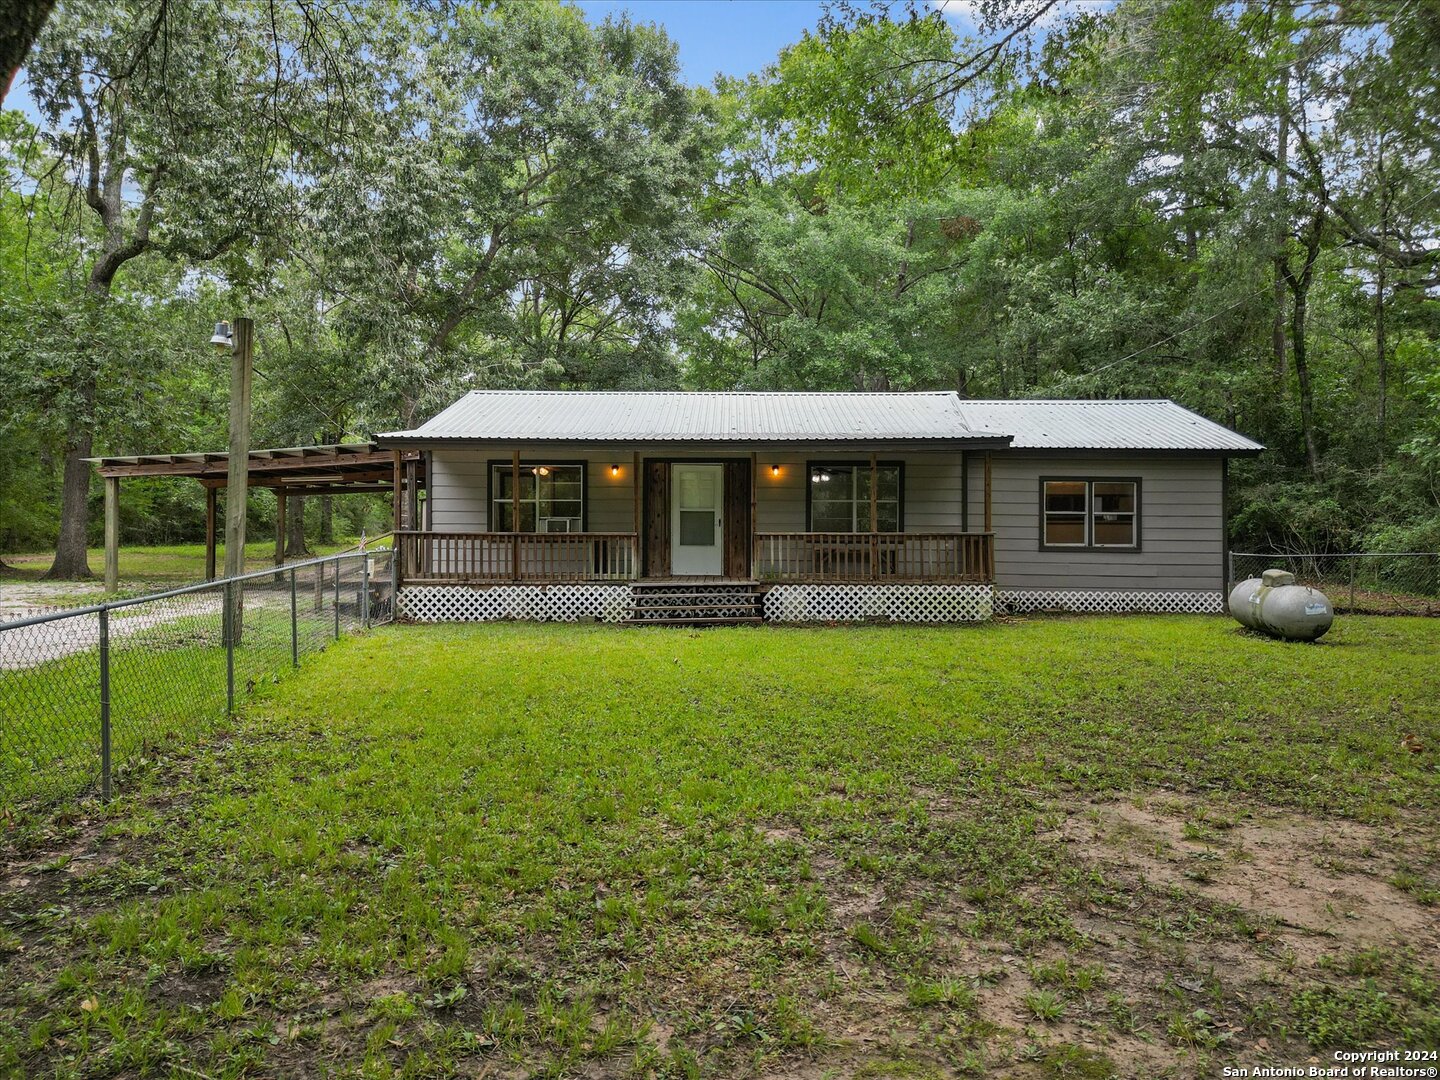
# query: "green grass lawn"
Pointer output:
{"type": "Point", "coordinates": [1050, 848]}
{"type": "Point", "coordinates": [144, 567]}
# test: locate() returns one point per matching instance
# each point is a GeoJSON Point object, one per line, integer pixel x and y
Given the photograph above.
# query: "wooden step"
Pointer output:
{"type": "Point", "coordinates": [713, 620]}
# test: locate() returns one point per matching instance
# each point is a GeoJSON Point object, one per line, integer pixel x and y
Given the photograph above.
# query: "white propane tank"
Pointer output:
{"type": "Point", "coordinates": [1274, 604]}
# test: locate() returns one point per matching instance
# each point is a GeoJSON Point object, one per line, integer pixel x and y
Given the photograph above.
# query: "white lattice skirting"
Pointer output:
{"type": "Point", "coordinates": [1192, 601]}
{"type": "Point", "coordinates": [891, 603]}
{"type": "Point", "coordinates": [537, 603]}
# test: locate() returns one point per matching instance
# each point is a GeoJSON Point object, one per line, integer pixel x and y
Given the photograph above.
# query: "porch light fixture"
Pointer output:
{"type": "Point", "coordinates": [222, 338]}
{"type": "Point", "coordinates": [774, 470]}
{"type": "Point", "coordinates": [614, 470]}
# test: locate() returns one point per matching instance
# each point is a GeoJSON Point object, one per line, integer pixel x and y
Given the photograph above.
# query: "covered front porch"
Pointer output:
{"type": "Point", "coordinates": [703, 518]}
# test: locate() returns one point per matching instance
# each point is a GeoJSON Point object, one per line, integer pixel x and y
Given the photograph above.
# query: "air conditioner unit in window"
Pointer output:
{"type": "Point", "coordinates": [556, 525]}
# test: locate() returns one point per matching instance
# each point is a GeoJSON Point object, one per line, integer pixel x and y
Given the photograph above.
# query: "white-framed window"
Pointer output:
{"type": "Point", "coordinates": [552, 497]}
{"type": "Point", "coordinates": [840, 497]}
{"type": "Point", "coordinates": [1089, 513]}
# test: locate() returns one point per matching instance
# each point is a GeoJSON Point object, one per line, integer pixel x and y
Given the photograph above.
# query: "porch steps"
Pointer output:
{"type": "Point", "coordinates": [700, 603]}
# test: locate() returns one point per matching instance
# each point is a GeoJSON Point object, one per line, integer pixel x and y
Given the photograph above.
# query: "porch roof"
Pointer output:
{"type": "Point", "coordinates": [678, 418]}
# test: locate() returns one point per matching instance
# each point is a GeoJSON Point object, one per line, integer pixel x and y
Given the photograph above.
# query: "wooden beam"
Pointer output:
{"type": "Point", "coordinates": [515, 514]}
{"type": "Point", "coordinates": [397, 499]}
{"type": "Point", "coordinates": [410, 513]}
{"type": "Point", "coordinates": [211, 493]}
{"type": "Point", "coordinates": [280, 501]}
{"type": "Point", "coordinates": [112, 533]}
{"type": "Point", "coordinates": [754, 489]}
{"type": "Point", "coordinates": [638, 551]}
{"type": "Point", "coordinates": [874, 515]}
{"type": "Point", "coordinates": [988, 521]}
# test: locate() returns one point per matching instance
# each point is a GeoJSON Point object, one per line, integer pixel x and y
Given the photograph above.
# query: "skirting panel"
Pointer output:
{"type": "Point", "coordinates": [538, 603]}
{"type": "Point", "coordinates": [1191, 601]}
{"type": "Point", "coordinates": [891, 603]}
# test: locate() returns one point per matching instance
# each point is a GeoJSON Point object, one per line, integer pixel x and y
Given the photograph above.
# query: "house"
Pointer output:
{"type": "Point", "coordinates": [671, 506]}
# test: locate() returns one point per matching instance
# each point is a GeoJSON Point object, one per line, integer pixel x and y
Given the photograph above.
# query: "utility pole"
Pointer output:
{"type": "Point", "coordinates": [238, 479]}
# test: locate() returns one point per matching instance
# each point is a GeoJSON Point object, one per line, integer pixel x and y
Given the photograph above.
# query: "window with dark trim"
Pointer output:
{"type": "Point", "coordinates": [1090, 513]}
{"type": "Point", "coordinates": [840, 497]}
{"type": "Point", "coordinates": [552, 497]}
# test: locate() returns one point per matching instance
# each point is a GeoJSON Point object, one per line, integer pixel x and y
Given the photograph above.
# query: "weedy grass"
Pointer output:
{"type": "Point", "coordinates": [584, 850]}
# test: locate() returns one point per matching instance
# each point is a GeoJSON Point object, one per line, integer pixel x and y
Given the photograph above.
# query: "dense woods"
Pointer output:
{"type": "Point", "coordinates": [1234, 205]}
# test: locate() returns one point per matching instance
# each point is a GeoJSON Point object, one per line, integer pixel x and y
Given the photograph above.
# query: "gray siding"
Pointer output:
{"type": "Point", "coordinates": [457, 489]}
{"type": "Point", "coordinates": [1181, 523]}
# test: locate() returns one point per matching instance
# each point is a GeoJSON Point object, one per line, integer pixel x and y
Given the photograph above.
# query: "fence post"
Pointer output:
{"type": "Point", "coordinates": [337, 597]}
{"type": "Point", "coordinates": [394, 583]}
{"type": "Point", "coordinates": [105, 704]}
{"type": "Point", "coordinates": [294, 623]}
{"type": "Point", "coordinates": [364, 590]}
{"type": "Point", "coordinates": [229, 607]}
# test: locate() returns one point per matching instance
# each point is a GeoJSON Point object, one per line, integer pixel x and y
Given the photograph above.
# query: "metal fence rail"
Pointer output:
{"type": "Point", "coordinates": [1362, 582]}
{"type": "Point", "coordinates": [88, 692]}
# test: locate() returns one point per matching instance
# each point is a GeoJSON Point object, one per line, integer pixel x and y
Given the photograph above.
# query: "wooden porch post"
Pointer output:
{"type": "Point", "coordinates": [754, 526]}
{"type": "Point", "coordinates": [397, 493]}
{"type": "Point", "coordinates": [874, 517]}
{"type": "Point", "coordinates": [410, 512]}
{"type": "Point", "coordinates": [637, 546]}
{"type": "Point", "coordinates": [210, 497]}
{"type": "Point", "coordinates": [515, 514]}
{"type": "Point", "coordinates": [112, 533]}
{"type": "Point", "coordinates": [988, 522]}
{"type": "Point", "coordinates": [280, 501]}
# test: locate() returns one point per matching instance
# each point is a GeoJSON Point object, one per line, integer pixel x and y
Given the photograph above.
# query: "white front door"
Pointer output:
{"type": "Point", "coordinates": [696, 536]}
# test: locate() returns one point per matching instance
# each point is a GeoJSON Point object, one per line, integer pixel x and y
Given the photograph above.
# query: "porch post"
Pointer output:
{"type": "Point", "coordinates": [988, 522]}
{"type": "Point", "coordinates": [515, 514]}
{"type": "Point", "coordinates": [112, 533]}
{"type": "Point", "coordinates": [410, 514]}
{"type": "Point", "coordinates": [397, 493]}
{"type": "Point", "coordinates": [210, 496]}
{"type": "Point", "coordinates": [636, 545]}
{"type": "Point", "coordinates": [280, 501]}
{"type": "Point", "coordinates": [754, 525]}
{"type": "Point", "coordinates": [874, 517]}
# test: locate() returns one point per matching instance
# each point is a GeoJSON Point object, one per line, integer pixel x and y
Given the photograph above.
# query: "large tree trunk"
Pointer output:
{"type": "Point", "coordinates": [1282, 217]}
{"type": "Point", "coordinates": [1302, 376]}
{"type": "Point", "coordinates": [327, 519]}
{"type": "Point", "coordinates": [71, 560]}
{"type": "Point", "coordinates": [26, 19]}
{"type": "Point", "coordinates": [295, 527]}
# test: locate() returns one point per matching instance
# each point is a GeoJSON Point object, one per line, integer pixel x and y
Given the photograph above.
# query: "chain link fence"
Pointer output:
{"type": "Point", "coordinates": [1366, 582]}
{"type": "Point", "coordinates": [86, 693]}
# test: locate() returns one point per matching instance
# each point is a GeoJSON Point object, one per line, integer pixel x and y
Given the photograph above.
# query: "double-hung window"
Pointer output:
{"type": "Point", "coordinates": [840, 498]}
{"type": "Point", "coordinates": [552, 498]}
{"type": "Point", "coordinates": [1090, 513]}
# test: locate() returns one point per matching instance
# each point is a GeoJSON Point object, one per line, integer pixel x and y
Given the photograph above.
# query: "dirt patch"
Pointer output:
{"type": "Point", "coordinates": [1320, 886]}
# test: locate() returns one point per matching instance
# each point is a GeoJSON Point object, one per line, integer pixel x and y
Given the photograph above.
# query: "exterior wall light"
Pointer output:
{"type": "Point", "coordinates": [614, 471]}
{"type": "Point", "coordinates": [775, 470]}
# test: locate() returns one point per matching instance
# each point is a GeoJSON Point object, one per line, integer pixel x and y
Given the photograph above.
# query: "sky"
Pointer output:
{"type": "Point", "coordinates": [730, 37]}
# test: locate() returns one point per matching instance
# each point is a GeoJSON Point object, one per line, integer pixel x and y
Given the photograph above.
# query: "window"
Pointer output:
{"type": "Point", "coordinates": [1090, 513]}
{"type": "Point", "coordinates": [552, 498]}
{"type": "Point", "coordinates": [840, 498]}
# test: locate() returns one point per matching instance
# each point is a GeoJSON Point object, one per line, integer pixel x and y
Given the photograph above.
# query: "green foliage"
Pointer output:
{"type": "Point", "coordinates": [512, 195]}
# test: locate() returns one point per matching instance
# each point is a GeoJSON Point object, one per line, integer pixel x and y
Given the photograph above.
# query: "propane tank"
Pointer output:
{"type": "Point", "coordinates": [1273, 603]}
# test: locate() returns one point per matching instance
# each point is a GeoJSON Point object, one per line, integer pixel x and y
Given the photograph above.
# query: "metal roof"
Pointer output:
{"type": "Point", "coordinates": [680, 417]}
{"type": "Point", "coordinates": [1156, 425]}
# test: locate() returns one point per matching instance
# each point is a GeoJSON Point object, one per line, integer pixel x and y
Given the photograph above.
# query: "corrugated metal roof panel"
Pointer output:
{"type": "Point", "coordinates": [582, 416]}
{"type": "Point", "coordinates": [1104, 425]}
{"type": "Point", "coordinates": [674, 416]}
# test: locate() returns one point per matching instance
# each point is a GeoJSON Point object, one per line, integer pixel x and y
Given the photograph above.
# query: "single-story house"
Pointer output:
{"type": "Point", "coordinates": [671, 506]}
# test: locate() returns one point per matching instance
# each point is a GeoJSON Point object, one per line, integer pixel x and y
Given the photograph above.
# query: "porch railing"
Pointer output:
{"type": "Point", "coordinates": [501, 556]}
{"type": "Point", "coordinates": [826, 557]}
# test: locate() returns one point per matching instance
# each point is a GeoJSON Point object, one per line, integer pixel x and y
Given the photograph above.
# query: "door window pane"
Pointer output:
{"type": "Point", "coordinates": [697, 528]}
